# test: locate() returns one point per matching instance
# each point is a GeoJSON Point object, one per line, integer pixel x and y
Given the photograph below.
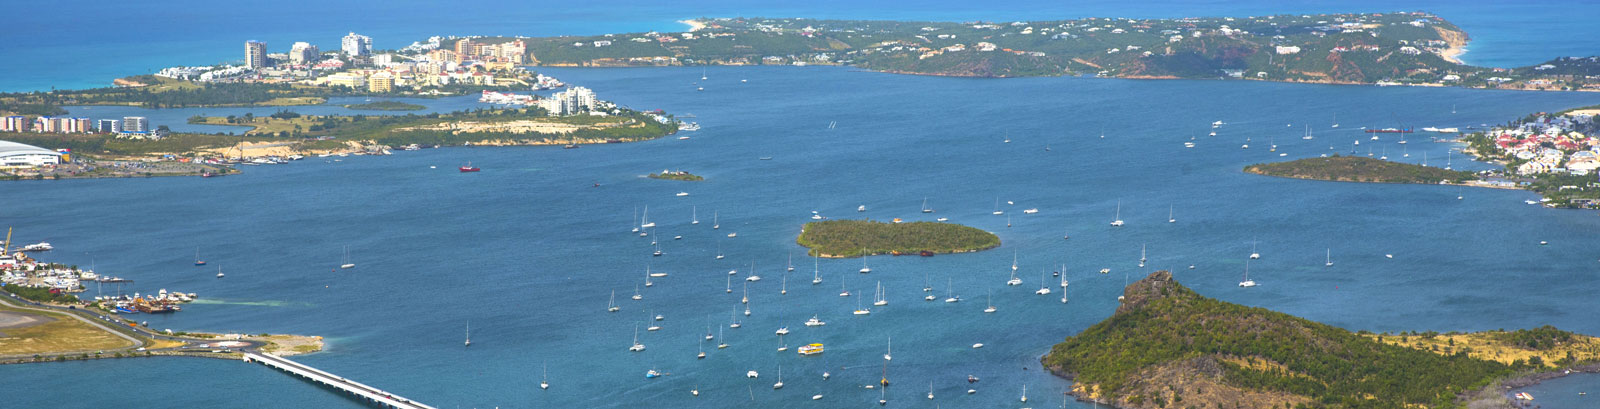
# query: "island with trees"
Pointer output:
{"type": "Point", "coordinates": [859, 238]}
{"type": "Point", "coordinates": [1358, 169]}
{"type": "Point", "coordinates": [676, 175]}
{"type": "Point", "coordinates": [1169, 347]}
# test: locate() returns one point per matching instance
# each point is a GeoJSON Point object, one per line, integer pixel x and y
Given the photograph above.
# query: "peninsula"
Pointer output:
{"type": "Point", "coordinates": [1358, 169]}
{"type": "Point", "coordinates": [1167, 346]}
{"type": "Point", "coordinates": [860, 238]}
{"type": "Point", "coordinates": [1408, 48]}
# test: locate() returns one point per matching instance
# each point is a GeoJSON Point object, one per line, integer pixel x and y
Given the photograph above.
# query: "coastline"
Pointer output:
{"type": "Point", "coordinates": [694, 25]}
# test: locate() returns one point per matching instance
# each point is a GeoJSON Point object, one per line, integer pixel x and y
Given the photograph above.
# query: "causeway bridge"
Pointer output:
{"type": "Point", "coordinates": [372, 395]}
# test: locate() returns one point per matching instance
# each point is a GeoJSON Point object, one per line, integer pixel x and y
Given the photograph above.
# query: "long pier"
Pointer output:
{"type": "Point", "coordinates": [372, 395]}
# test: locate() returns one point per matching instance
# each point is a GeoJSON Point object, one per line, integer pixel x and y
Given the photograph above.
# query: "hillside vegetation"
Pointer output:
{"type": "Point", "coordinates": [854, 238]}
{"type": "Point", "coordinates": [1358, 169]}
{"type": "Point", "coordinates": [1168, 347]}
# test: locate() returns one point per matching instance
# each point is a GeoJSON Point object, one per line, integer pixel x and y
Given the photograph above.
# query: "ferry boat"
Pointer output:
{"type": "Point", "coordinates": [689, 126]}
{"type": "Point", "coordinates": [810, 349]}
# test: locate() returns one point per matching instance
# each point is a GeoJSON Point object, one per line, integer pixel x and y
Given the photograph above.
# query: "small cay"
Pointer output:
{"type": "Point", "coordinates": [857, 238]}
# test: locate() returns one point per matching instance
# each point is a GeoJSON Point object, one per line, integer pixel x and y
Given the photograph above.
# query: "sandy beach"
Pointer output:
{"type": "Point", "coordinates": [694, 25]}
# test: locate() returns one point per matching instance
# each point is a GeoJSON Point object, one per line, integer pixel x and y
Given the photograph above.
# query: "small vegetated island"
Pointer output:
{"type": "Point", "coordinates": [386, 106]}
{"type": "Point", "coordinates": [1169, 347]}
{"type": "Point", "coordinates": [860, 238]}
{"type": "Point", "coordinates": [677, 175]}
{"type": "Point", "coordinates": [1358, 169]}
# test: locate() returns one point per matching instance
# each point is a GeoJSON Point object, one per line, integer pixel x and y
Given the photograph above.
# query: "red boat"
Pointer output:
{"type": "Point", "coordinates": [469, 168]}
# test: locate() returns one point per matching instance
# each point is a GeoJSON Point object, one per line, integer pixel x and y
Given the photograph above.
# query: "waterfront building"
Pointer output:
{"type": "Point", "coordinates": [109, 126]}
{"type": "Point", "coordinates": [356, 45]}
{"type": "Point", "coordinates": [16, 155]}
{"type": "Point", "coordinates": [46, 124]}
{"type": "Point", "coordinates": [14, 123]}
{"type": "Point", "coordinates": [574, 100]}
{"type": "Point", "coordinates": [135, 124]}
{"type": "Point", "coordinates": [380, 82]}
{"type": "Point", "coordinates": [255, 54]}
{"type": "Point", "coordinates": [304, 53]}
{"type": "Point", "coordinates": [348, 79]}
{"type": "Point", "coordinates": [77, 125]}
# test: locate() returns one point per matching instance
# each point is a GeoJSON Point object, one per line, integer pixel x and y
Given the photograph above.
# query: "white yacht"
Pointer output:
{"type": "Point", "coordinates": [1117, 222]}
{"type": "Point", "coordinates": [1247, 281]}
{"type": "Point", "coordinates": [815, 322]}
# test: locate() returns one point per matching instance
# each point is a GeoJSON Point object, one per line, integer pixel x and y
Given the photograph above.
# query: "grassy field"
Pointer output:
{"type": "Point", "coordinates": [262, 124]}
{"type": "Point", "coordinates": [1492, 346]}
{"type": "Point", "coordinates": [64, 334]}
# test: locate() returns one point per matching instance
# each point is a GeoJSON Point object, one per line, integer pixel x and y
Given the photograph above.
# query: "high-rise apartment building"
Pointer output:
{"type": "Point", "coordinates": [255, 54]}
{"type": "Point", "coordinates": [135, 124]}
{"type": "Point", "coordinates": [356, 45]}
{"type": "Point", "coordinates": [304, 53]}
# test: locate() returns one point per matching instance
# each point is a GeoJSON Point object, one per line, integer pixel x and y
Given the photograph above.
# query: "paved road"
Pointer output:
{"type": "Point", "coordinates": [102, 322]}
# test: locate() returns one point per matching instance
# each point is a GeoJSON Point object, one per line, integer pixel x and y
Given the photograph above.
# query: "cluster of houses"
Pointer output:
{"type": "Point", "coordinates": [1552, 144]}
{"type": "Point", "coordinates": [19, 269]}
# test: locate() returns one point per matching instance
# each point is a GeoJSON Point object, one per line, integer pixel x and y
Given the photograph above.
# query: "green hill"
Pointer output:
{"type": "Point", "coordinates": [1168, 347]}
{"type": "Point", "coordinates": [1358, 169]}
{"type": "Point", "coordinates": [854, 238]}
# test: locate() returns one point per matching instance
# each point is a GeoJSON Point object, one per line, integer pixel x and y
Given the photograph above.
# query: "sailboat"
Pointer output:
{"type": "Point", "coordinates": [636, 345]}
{"type": "Point", "coordinates": [950, 292]}
{"type": "Point", "coordinates": [1272, 143]}
{"type": "Point", "coordinates": [1308, 133]}
{"type": "Point", "coordinates": [888, 353]}
{"type": "Point", "coordinates": [859, 310]}
{"type": "Point", "coordinates": [219, 272]}
{"type": "Point", "coordinates": [1170, 219]}
{"type": "Point", "coordinates": [544, 383]}
{"type": "Point", "coordinates": [694, 215]}
{"type": "Point", "coordinates": [1335, 121]}
{"type": "Point", "coordinates": [729, 288]}
{"type": "Point", "coordinates": [721, 342]}
{"type": "Point", "coordinates": [1117, 222]}
{"type": "Point", "coordinates": [647, 282]}
{"type": "Point", "coordinates": [702, 74]}
{"type": "Point", "coordinates": [197, 260]}
{"type": "Point", "coordinates": [714, 224]}
{"type": "Point", "coordinates": [347, 263]}
{"type": "Point", "coordinates": [653, 327]}
{"type": "Point", "coordinates": [779, 385]}
{"type": "Point", "coordinates": [1247, 281]}
{"type": "Point", "coordinates": [997, 210]}
{"type": "Point", "coordinates": [612, 306]}
{"type": "Point", "coordinates": [791, 261]}
{"type": "Point", "coordinates": [1253, 254]}
{"type": "Point", "coordinates": [1014, 280]}
{"type": "Point", "coordinates": [990, 308]}
{"type": "Point", "coordinates": [635, 219]}
{"type": "Point", "coordinates": [1329, 262]}
{"type": "Point", "coordinates": [746, 298]}
{"type": "Point", "coordinates": [784, 289]}
{"type": "Point", "coordinates": [645, 221]}
{"type": "Point", "coordinates": [469, 334]}
{"type": "Point", "coordinates": [881, 297]}
{"type": "Point", "coordinates": [733, 317]}
{"type": "Point", "coordinates": [843, 292]}
{"type": "Point", "coordinates": [1044, 287]}
{"type": "Point", "coordinates": [930, 390]}
{"type": "Point", "coordinates": [1141, 255]}
{"type": "Point", "coordinates": [816, 272]}
{"type": "Point", "coordinates": [719, 250]}
{"type": "Point", "coordinates": [636, 295]}
{"type": "Point", "coordinates": [925, 208]}
{"type": "Point", "coordinates": [864, 268]}
{"type": "Point", "coordinates": [1024, 392]}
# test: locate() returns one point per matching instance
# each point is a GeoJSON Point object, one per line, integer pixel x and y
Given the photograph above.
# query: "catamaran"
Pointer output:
{"type": "Point", "coordinates": [997, 210]}
{"type": "Point", "coordinates": [1253, 254]}
{"type": "Point", "coordinates": [636, 345]}
{"type": "Point", "coordinates": [612, 306]}
{"type": "Point", "coordinates": [1044, 287]}
{"type": "Point", "coordinates": [1117, 222]}
{"type": "Point", "coordinates": [1247, 281]}
{"type": "Point", "coordinates": [925, 208]}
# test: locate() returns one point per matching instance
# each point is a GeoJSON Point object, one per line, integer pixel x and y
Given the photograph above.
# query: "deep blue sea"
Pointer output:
{"type": "Point", "coordinates": [529, 251]}
{"type": "Point", "coordinates": [72, 44]}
